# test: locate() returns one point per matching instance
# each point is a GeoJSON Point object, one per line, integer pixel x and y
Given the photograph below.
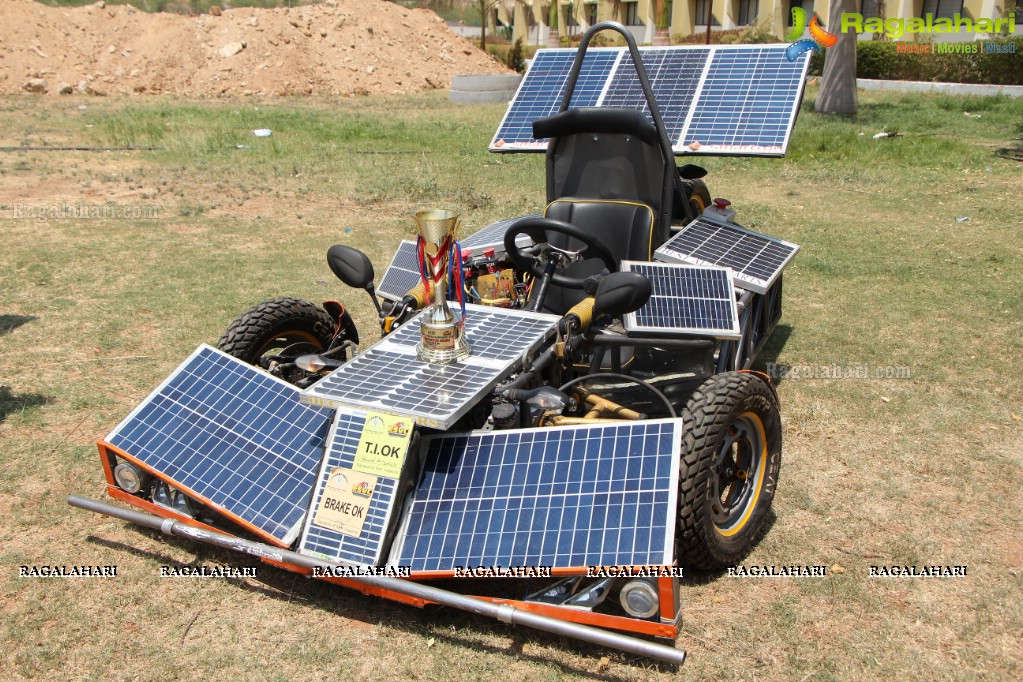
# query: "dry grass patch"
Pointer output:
{"type": "Point", "coordinates": [916, 470]}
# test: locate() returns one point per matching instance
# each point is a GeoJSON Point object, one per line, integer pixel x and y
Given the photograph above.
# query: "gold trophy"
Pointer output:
{"type": "Point", "coordinates": [442, 337]}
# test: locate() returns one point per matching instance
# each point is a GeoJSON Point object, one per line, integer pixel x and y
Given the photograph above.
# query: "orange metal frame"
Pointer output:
{"type": "Point", "coordinates": [667, 625]}
{"type": "Point", "coordinates": [108, 451]}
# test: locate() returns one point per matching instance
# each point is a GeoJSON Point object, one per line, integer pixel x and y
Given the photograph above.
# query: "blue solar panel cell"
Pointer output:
{"type": "Point", "coordinates": [724, 99]}
{"type": "Point", "coordinates": [674, 77]}
{"type": "Point", "coordinates": [756, 260]}
{"type": "Point", "coordinates": [390, 378]}
{"type": "Point", "coordinates": [746, 102]}
{"type": "Point", "coordinates": [561, 497]}
{"type": "Point", "coordinates": [330, 544]}
{"type": "Point", "coordinates": [492, 236]}
{"type": "Point", "coordinates": [493, 334]}
{"type": "Point", "coordinates": [402, 273]}
{"type": "Point", "coordinates": [542, 89]}
{"type": "Point", "coordinates": [233, 436]}
{"type": "Point", "coordinates": [686, 299]}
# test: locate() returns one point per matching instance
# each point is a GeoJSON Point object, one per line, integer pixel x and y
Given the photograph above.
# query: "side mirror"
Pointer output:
{"type": "Point", "coordinates": [351, 266]}
{"type": "Point", "coordinates": [620, 293]}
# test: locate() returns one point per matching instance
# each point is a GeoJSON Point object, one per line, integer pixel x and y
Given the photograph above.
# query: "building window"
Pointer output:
{"type": "Point", "coordinates": [747, 12]}
{"type": "Point", "coordinates": [703, 9]}
{"type": "Point", "coordinates": [807, 6]}
{"type": "Point", "coordinates": [869, 8]}
{"type": "Point", "coordinates": [942, 9]}
{"type": "Point", "coordinates": [591, 14]}
{"type": "Point", "coordinates": [632, 14]}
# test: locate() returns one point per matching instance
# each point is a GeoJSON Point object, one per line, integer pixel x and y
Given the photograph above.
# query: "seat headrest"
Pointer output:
{"type": "Point", "coordinates": [596, 120]}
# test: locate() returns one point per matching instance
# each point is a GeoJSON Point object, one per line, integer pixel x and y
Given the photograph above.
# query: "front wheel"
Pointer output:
{"type": "Point", "coordinates": [278, 330]}
{"type": "Point", "coordinates": [731, 455]}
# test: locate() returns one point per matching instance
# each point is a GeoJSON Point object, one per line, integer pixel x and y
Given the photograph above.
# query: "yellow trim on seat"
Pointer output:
{"type": "Point", "coordinates": [650, 236]}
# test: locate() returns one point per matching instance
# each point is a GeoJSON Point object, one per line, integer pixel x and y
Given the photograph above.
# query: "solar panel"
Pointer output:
{"type": "Point", "coordinates": [328, 543]}
{"type": "Point", "coordinates": [388, 377]}
{"type": "Point", "coordinates": [233, 437]}
{"type": "Point", "coordinates": [674, 77]}
{"type": "Point", "coordinates": [720, 99]}
{"type": "Point", "coordinates": [402, 274]}
{"type": "Point", "coordinates": [495, 334]}
{"type": "Point", "coordinates": [539, 95]}
{"type": "Point", "coordinates": [564, 497]}
{"type": "Point", "coordinates": [492, 236]}
{"type": "Point", "coordinates": [756, 260]}
{"type": "Point", "coordinates": [745, 102]}
{"type": "Point", "coordinates": [686, 299]}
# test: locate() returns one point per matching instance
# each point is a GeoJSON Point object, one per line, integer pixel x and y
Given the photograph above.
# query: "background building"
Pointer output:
{"type": "Point", "coordinates": [531, 18]}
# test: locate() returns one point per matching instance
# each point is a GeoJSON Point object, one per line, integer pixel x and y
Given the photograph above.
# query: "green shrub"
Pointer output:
{"type": "Point", "coordinates": [882, 60]}
{"type": "Point", "coordinates": [515, 59]}
{"type": "Point", "coordinates": [503, 54]}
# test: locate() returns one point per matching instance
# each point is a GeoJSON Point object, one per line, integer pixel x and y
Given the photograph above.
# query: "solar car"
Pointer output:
{"type": "Point", "coordinates": [606, 432]}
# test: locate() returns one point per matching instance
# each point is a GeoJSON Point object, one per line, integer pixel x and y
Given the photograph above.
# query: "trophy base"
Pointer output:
{"type": "Point", "coordinates": [442, 343]}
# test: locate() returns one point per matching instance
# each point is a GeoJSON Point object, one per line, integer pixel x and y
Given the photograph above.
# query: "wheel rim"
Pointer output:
{"type": "Point", "coordinates": [697, 205]}
{"type": "Point", "coordinates": [287, 339]}
{"type": "Point", "coordinates": [738, 475]}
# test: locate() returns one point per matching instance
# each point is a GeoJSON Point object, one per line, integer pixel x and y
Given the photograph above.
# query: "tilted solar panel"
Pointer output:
{"type": "Point", "coordinates": [329, 543]}
{"type": "Point", "coordinates": [718, 100]}
{"type": "Point", "coordinates": [402, 274]}
{"type": "Point", "coordinates": [746, 102]}
{"type": "Point", "coordinates": [388, 376]}
{"type": "Point", "coordinates": [686, 299]}
{"type": "Point", "coordinates": [539, 95]}
{"type": "Point", "coordinates": [565, 497]}
{"type": "Point", "coordinates": [674, 77]}
{"type": "Point", "coordinates": [756, 260]}
{"type": "Point", "coordinates": [233, 437]}
{"type": "Point", "coordinates": [492, 236]}
{"type": "Point", "coordinates": [495, 334]}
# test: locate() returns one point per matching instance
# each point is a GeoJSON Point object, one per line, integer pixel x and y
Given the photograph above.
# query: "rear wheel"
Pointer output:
{"type": "Point", "coordinates": [280, 327]}
{"type": "Point", "coordinates": [731, 455]}
{"type": "Point", "coordinates": [698, 195]}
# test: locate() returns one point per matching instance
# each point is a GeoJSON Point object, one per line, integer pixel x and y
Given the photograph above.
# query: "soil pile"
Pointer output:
{"type": "Point", "coordinates": [340, 47]}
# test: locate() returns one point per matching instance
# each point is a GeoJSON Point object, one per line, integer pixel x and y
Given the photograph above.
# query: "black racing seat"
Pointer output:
{"type": "Point", "coordinates": [606, 173]}
{"type": "Point", "coordinates": [625, 227]}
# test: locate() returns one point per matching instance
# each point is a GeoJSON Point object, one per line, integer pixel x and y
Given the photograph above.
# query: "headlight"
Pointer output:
{"type": "Point", "coordinates": [639, 598]}
{"type": "Point", "coordinates": [129, 477]}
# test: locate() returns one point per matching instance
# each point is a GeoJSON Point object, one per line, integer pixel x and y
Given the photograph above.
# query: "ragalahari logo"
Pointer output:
{"type": "Point", "coordinates": [819, 37]}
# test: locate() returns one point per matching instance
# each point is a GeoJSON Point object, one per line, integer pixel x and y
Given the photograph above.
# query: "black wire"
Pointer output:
{"type": "Point", "coordinates": [603, 375]}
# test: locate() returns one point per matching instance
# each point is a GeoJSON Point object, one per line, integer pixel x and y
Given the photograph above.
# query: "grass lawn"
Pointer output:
{"type": "Point", "coordinates": [915, 460]}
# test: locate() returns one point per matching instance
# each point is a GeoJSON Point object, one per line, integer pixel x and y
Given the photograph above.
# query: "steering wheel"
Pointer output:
{"type": "Point", "coordinates": [538, 230]}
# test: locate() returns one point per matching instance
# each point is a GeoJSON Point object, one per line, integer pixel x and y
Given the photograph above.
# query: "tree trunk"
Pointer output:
{"type": "Point", "coordinates": [661, 37]}
{"type": "Point", "coordinates": [483, 27]}
{"type": "Point", "coordinates": [553, 39]}
{"type": "Point", "coordinates": [838, 83]}
{"type": "Point", "coordinates": [882, 14]}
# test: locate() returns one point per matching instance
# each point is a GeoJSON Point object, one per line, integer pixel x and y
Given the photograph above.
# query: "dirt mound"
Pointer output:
{"type": "Point", "coordinates": [340, 47]}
